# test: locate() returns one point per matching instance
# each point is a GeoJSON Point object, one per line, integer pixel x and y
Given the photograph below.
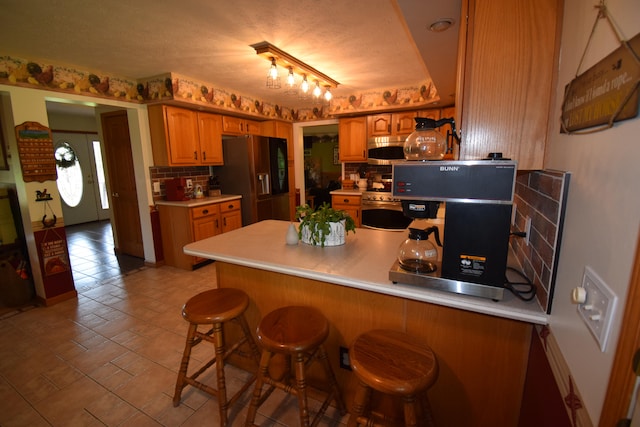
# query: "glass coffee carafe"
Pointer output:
{"type": "Point", "coordinates": [417, 254]}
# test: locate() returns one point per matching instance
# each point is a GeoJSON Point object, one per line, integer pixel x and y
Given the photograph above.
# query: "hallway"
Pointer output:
{"type": "Point", "coordinates": [92, 256]}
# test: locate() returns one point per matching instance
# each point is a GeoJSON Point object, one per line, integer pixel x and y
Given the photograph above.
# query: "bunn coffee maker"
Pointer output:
{"type": "Point", "coordinates": [478, 197]}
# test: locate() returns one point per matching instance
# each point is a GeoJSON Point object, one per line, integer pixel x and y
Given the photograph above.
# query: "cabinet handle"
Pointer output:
{"type": "Point", "coordinates": [345, 201]}
{"type": "Point", "coordinates": [389, 128]}
{"type": "Point", "coordinates": [230, 206]}
{"type": "Point", "coordinates": [217, 225]}
{"type": "Point", "coordinates": [206, 211]}
{"type": "Point", "coordinates": [224, 221]}
{"type": "Point", "coordinates": [398, 127]}
{"type": "Point", "coordinates": [195, 155]}
{"type": "Point", "coordinates": [204, 155]}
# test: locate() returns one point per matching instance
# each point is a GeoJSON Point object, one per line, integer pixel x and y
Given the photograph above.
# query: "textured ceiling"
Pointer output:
{"type": "Point", "coordinates": [363, 44]}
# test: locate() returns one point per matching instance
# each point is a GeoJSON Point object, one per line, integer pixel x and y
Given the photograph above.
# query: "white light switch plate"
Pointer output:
{"type": "Point", "coordinates": [598, 308]}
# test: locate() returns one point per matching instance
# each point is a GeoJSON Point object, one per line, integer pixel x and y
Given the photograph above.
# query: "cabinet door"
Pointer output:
{"type": "Point", "coordinates": [379, 125]}
{"type": "Point", "coordinates": [350, 204]}
{"type": "Point", "coordinates": [210, 131]}
{"type": "Point", "coordinates": [353, 139]}
{"type": "Point", "coordinates": [403, 123]}
{"type": "Point", "coordinates": [231, 221]}
{"type": "Point", "coordinates": [232, 125]}
{"type": "Point", "coordinates": [251, 127]}
{"type": "Point", "coordinates": [182, 135]}
{"type": "Point", "coordinates": [506, 103]}
{"type": "Point", "coordinates": [206, 227]}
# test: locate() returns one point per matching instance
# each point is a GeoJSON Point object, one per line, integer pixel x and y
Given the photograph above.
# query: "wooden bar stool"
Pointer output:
{"type": "Point", "coordinates": [215, 307]}
{"type": "Point", "coordinates": [396, 364]}
{"type": "Point", "coordinates": [298, 333]}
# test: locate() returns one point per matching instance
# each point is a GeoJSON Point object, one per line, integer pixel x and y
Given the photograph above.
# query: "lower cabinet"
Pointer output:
{"type": "Point", "coordinates": [182, 225]}
{"type": "Point", "coordinates": [350, 204]}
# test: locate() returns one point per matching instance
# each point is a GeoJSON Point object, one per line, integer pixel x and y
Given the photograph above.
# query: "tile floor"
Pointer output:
{"type": "Point", "coordinates": [110, 357]}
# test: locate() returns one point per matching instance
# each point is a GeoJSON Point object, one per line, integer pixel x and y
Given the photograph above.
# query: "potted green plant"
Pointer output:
{"type": "Point", "coordinates": [323, 226]}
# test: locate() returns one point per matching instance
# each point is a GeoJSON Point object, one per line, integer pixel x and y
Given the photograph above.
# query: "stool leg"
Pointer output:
{"type": "Point", "coordinates": [222, 386]}
{"type": "Point", "coordinates": [255, 351]}
{"type": "Point", "coordinates": [360, 402]}
{"type": "Point", "coordinates": [301, 389]}
{"type": "Point", "coordinates": [410, 414]}
{"type": "Point", "coordinates": [182, 373]}
{"type": "Point", "coordinates": [257, 391]}
{"type": "Point", "coordinates": [335, 390]}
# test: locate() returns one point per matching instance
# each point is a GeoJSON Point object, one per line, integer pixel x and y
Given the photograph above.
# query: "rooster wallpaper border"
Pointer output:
{"type": "Point", "coordinates": [173, 87]}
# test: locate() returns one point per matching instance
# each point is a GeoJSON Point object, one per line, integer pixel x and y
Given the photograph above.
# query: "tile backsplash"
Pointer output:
{"type": "Point", "coordinates": [542, 196]}
{"type": "Point", "coordinates": [198, 174]}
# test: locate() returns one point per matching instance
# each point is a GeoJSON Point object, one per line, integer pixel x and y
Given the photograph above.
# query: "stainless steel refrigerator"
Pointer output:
{"type": "Point", "coordinates": [256, 167]}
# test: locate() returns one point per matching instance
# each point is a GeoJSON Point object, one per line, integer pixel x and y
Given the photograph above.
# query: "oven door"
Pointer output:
{"type": "Point", "coordinates": [385, 216]}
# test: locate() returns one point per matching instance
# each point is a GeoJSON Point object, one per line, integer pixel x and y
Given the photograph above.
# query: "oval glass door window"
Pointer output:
{"type": "Point", "coordinates": [70, 182]}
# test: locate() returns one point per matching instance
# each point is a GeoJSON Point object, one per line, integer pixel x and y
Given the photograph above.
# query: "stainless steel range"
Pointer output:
{"type": "Point", "coordinates": [382, 211]}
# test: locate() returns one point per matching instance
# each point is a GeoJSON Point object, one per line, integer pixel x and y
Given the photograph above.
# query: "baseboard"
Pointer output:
{"type": "Point", "coordinates": [562, 374]}
{"type": "Point", "coordinates": [47, 302]}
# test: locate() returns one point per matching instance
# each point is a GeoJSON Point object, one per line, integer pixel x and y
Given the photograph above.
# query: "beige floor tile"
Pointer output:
{"type": "Point", "coordinates": [111, 356]}
{"type": "Point", "coordinates": [111, 410]}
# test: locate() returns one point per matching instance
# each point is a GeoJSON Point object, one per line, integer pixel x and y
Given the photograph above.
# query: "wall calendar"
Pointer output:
{"type": "Point", "coordinates": [35, 148]}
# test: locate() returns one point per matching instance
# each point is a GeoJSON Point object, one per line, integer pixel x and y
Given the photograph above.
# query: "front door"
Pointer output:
{"type": "Point", "coordinates": [124, 198]}
{"type": "Point", "coordinates": [80, 178]}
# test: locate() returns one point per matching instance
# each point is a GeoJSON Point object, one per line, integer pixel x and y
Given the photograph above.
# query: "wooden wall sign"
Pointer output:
{"type": "Point", "coordinates": [606, 92]}
{"type": "Point", "coordinates": [35, 148]}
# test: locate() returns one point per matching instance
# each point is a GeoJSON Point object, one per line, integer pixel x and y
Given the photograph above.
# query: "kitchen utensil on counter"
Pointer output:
{"type": "Point", "coordinates": [362, 183]}
{"type": "Point", "coordinates": [425, 143]}
{"type": "Point", "coordinates": [417, 254]}
{"type": "Point", "coordinates": [197, 192]}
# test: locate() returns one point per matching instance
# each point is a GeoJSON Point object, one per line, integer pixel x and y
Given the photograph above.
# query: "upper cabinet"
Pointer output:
{"type": "Point", "coordinates": [239, 126]}
{"type": "Point", "coordinates": [390, 124]}
{"type": "Point", "coordinates": [352, 133]}
{"type": "Point", "coordinates": [506, 78]}
{"type": "Point", "coordinates": [182, 137]}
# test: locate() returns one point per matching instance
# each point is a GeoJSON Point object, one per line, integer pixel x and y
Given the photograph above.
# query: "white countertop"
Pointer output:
{"type": "Point", "coordinates": [191, 203]}
{"type": "Point", "coordinates": [363, 262]}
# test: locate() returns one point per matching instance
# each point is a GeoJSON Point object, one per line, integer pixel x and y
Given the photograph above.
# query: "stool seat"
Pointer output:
{"type": "Point", "coordinates": [296, 334]}
{"type": "Point", "coordinates": [392, 362]}
{"type": "Point", "coordinates": [214, 306]}
{"type": "Point", "coordinates": [396, 364]}
{"type": "Point", "coordinates": [292, 330]}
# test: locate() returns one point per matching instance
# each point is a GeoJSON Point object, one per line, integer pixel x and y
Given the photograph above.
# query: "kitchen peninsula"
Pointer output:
{"type": "Point", "coordinates": [482, 345]}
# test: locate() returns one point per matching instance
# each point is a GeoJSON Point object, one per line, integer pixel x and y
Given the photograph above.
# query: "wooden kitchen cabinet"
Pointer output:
{"type": "Point", "coordinates": [183, 137]}
{"type": "Point", "coordinates": [240, 126]}
{"type": "Point", "coordinates": [352, 144]}
{"type": "Point", "coordinates": [350, 204]}
{"type": "Point", "coordinates": [181, 225]}
{"type": "Point", "coordinates": [391, 124]}
{"type": "Point", "coordinates": [230, 215]}
{"type": "Point", "coordinates": [506, 78]}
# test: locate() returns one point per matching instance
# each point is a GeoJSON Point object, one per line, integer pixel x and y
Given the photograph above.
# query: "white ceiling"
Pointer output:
{"type": "Point", "coordinates": [363, 44]}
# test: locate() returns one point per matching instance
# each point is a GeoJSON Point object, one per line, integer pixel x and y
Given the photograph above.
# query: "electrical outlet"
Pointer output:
{"type": "Point", "coordinates": [527, 230]}
{"type": "Point", "coordinates": [156, 187]}
{"type": "Point", "coordinates": [189, 183]}
{"type": "Point", "coordinates": [345, 363]}
{"type": "Point", "coordinates": [598, 307]}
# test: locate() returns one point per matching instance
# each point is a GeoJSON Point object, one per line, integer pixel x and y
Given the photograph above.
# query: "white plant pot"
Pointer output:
{"type": "Point", "coordinates": [335, 238]}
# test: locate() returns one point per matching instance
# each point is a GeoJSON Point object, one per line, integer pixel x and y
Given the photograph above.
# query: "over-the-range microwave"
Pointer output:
{"type": "Point", "coordinates": [385, 150]}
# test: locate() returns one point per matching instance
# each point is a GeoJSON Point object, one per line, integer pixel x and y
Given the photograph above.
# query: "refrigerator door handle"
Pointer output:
{"type": "Point", "coordinates": [264, 186]}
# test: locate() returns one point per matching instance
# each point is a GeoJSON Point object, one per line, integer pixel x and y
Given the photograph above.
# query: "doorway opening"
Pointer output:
{"type": "Point", "coordinates": [322, 168]}
{"type": "Point", "coordinates": [82, 184]}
